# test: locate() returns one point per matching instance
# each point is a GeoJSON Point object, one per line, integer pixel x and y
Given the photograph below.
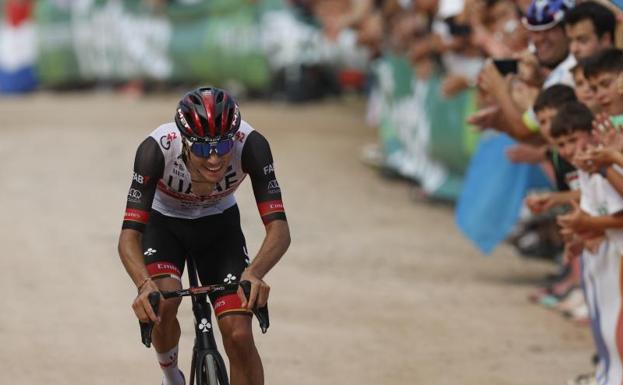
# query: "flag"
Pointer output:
{"type": "Point", "coordinates": [493, 192]}
{"type": "Point", "coordinates": [618, 3]}
{"type": "Point", "coordinates": [17, 47]}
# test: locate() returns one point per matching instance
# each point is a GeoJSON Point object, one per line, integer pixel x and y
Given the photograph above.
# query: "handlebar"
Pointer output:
{"type": "Point", "coordinates": [154, 299]}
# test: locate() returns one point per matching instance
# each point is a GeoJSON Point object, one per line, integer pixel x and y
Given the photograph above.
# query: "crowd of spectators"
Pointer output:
{"type": "Point", "coordinates": [549, 75]}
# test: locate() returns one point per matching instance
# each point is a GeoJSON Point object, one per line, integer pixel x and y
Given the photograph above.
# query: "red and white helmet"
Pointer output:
{"type": "Point", "coordinates": [207, 114]}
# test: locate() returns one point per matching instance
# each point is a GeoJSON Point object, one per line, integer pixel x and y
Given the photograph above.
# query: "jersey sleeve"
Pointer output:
{"type": "Point", "coordinates": [257, 161]}
{"type": "Point", "coordinates": [148, 169]}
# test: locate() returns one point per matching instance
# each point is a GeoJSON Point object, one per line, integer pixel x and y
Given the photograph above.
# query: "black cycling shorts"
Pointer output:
{"type": "Point", "coordinates": [216, 243]}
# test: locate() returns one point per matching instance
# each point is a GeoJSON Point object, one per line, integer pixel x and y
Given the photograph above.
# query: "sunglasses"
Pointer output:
{"type": "Point", "coordinates": [205, 149]}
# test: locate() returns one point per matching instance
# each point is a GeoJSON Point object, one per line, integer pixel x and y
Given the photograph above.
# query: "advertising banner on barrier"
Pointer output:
{"type": "Point", "coordinates": [215, 42]}
{"type": "Point", "coordinates": [423, 135]}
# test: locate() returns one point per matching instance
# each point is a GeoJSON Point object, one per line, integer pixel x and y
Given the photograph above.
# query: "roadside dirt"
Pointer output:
{"type": "Point", "coordinates": [376, 289]}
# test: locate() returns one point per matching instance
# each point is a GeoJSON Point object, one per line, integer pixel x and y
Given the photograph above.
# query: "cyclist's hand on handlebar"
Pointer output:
{"type": "Point", "coordinates": [259, 291]}
{"type": "Point", "coordinates": [141, 306]}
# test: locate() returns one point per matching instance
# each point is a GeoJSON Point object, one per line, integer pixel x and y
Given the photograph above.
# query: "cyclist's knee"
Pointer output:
{"type": "Point", "coordinates": [237, 334]}
{"type": "Point", "coordinates": [168, 307]}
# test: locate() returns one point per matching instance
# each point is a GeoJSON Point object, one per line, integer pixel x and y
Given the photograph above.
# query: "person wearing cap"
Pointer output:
{"type": "Point", "coordinates": [548, 62]}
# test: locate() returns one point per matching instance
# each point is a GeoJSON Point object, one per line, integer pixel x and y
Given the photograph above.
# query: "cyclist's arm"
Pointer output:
{"type": "Point", "coordinates": [148, 169]}
{"type": "Point", "coordinates": [257, 161]}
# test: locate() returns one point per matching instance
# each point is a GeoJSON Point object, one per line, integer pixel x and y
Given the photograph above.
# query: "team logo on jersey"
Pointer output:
{"type": "Point", "coordinates": [230, 278]}
{"type": "Point", "coordinates": [239, 136]}
{"type": "Point", "coordinates": [141, 179]}
{"type": "Point", "coordinates": [165, 140]}
{"type": "Point", "coordinates": [150, 251]}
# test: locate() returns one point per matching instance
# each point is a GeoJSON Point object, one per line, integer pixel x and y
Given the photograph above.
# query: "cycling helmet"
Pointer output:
{"type": "Point", "coordinates": [545, 14]}
{"type": "Point", "coordinates": [207, 114]}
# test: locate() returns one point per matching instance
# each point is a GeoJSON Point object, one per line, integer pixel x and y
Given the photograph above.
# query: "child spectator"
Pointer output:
{"type": "Point", "coordinates": [583, 90]}
{"type": "Point", "coordinates": [546, 107]}
{"type": "Point", "coordinates": [596, 223]}
{"type": "Point", "coordinates": [603, 71]}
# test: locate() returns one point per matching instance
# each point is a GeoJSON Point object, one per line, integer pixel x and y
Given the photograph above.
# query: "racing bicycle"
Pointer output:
{"type": "Point", "coordinates": [207, 365]}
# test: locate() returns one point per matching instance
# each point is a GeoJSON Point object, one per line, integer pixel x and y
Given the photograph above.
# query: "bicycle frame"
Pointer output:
{"type": "Point", "coordinates": [205, 342]}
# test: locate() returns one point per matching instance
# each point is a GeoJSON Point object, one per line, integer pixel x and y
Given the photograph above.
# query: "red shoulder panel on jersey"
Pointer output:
{"type": "Point", "coordinates": [134, 215]}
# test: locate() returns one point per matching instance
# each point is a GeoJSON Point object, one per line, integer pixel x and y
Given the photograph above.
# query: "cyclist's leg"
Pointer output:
{"type": "Point", "coordinates": [224, 262]}
{"type": "Point", "coordinates": [244, 360]}
{"type": "Point", "coordinates": [164, 259]}
{"type": "Point", "coordinates": [166, 334]}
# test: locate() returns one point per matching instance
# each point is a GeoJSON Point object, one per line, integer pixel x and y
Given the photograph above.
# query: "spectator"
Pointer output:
{"type": "Point", "coordinates": [597, 223]}
{"type": "Point", "coordinates": [548, 66]}
{"type": "Point", "coordinates": [603, 71]}
{"type": "Point", "coordinates": [583, 90]}
{"type": "Point", "coordinates": [589, 27]}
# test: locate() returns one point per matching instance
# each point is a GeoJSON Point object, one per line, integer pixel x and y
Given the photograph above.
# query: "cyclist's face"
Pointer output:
{"type": "Point", "coordinates": [212, 168]}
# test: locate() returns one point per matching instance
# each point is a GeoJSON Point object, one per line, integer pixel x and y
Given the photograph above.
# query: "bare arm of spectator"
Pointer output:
{"type": "Point", "coordinates": [492, 82]}
{"type": "Point", "coordinates": [586, 225]}
{"type": "Point", "coordinates": [539, 203]}
{"type": "Point", "coordinates": [526, 153]}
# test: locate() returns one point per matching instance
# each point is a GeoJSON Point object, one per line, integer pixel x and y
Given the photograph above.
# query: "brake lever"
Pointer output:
{"type": "Point", "coordinates": [147, 327]}
{"type": "Point", "coordinates": [260, 313]}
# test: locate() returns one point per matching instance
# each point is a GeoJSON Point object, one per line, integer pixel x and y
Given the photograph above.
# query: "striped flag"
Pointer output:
{"type": "Point", "coordinates": [18, 49]}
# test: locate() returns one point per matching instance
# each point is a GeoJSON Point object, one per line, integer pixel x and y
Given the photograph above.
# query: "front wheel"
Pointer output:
{"type": "Point", "coordinates": [212, 371]}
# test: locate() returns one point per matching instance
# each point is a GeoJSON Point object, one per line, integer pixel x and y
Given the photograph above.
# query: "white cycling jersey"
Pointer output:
{"type": "Point", "coordinates": [173, 194]}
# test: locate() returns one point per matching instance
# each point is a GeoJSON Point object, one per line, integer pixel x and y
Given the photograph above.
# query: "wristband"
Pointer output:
{"type": "Point", "coordinates": [529, 119]}
{"type": "Point", "coordinates": [139, 287]}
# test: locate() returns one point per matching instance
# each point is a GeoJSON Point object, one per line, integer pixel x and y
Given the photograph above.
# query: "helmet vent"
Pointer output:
{"type": "Point", "coordinates": [195, 100]}
{"type": "Point", "coordinates": [219, 97]}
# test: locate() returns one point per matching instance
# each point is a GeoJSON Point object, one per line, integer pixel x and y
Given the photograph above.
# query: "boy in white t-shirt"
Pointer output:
{"type": "Point", "coordinates": [598, 223]}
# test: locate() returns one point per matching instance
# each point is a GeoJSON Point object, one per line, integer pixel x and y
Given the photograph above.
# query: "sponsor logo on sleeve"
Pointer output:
{"type": "Point", "coordinates": [135, 215]}
{"type": "Point", "coordinates": [134, 195]}
{"type": "Point", "coordinates": [270, 207]}
{"type": "Point", "coordinates": [269, 169]}
{"type": "Point", "coordinates": [273, 187]}
{"type": "Point", "coordinates": [140, 179]}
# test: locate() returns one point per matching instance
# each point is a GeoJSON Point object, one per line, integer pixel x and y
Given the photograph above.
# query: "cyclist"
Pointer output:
{"type": "Point", "coordinates": [181, 203]}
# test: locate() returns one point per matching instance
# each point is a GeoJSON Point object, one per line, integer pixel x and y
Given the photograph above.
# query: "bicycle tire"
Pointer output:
{"type": "Point", "coordinates": [211, 372]}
